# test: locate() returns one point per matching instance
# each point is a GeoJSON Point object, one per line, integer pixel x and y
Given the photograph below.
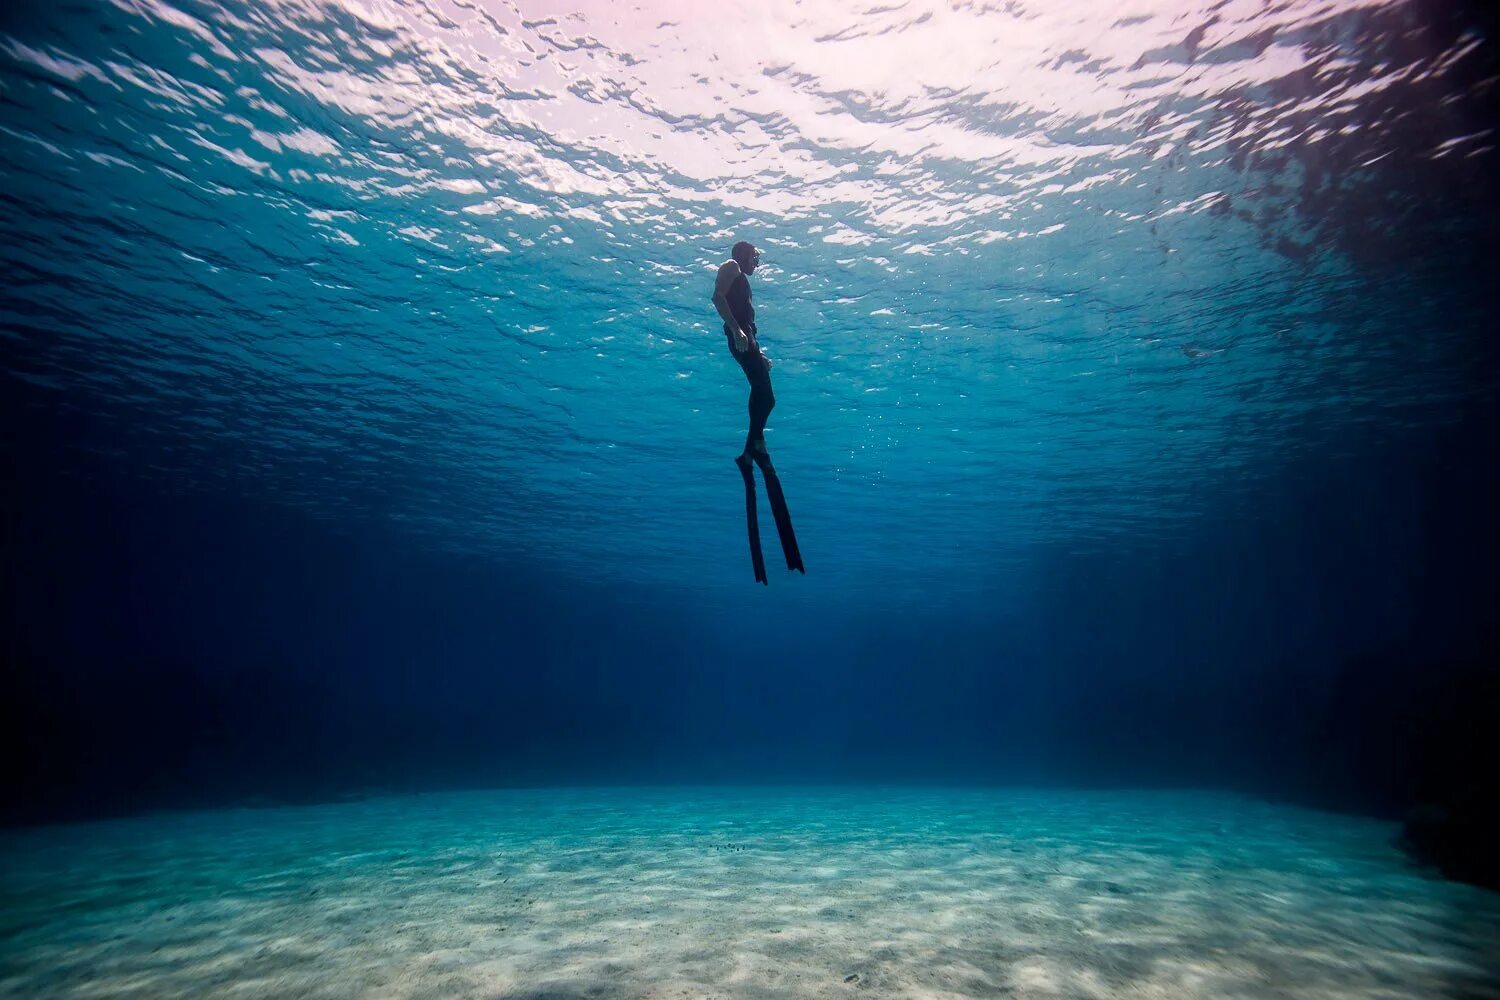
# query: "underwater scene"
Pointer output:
{"type": "Point", "coordinates": [421, 576]}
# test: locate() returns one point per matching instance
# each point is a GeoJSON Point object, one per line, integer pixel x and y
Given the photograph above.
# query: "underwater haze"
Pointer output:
{"type": "Point", "coordinates": [371, 536]}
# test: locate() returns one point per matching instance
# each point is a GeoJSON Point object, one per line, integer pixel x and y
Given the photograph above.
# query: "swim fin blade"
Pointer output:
{"type": "Point", "coordinates": [782, 515]}
{"type": "Point", "coordinates": [752, 520]}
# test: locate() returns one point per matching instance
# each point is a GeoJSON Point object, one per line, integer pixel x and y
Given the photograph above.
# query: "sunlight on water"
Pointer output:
{"type": "Point", "coordinates": [1036, 273]}
{"type": "Point", "coordinates": [761, 892]}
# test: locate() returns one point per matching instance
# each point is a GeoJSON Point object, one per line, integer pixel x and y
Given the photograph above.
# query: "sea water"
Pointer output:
{"type": "Point", "coordinates": [368, 435]}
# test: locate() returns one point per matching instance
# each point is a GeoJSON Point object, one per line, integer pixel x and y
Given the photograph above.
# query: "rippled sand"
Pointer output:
{"type": "Point", "coordinates": [739, 893]}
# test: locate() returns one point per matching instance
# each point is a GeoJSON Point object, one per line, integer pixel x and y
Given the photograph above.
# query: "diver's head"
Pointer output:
{"type": "Point", "coordinates": [746, 256]}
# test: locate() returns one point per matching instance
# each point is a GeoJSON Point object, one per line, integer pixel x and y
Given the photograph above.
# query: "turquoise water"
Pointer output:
{"type": "Point", "coordinates": [804, 892]}
{"type": "Point", "coordinates": [1039, 277]}
{"type": "Point", "coordinates": [367, 425]}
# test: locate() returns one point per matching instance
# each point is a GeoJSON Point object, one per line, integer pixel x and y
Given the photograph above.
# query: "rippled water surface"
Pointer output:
{"type": "Point", "coordinates": [1035, 273]}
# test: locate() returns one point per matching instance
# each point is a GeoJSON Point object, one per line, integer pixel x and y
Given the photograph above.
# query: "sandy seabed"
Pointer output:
{"type": "Point", "coordinates": [867, 892]}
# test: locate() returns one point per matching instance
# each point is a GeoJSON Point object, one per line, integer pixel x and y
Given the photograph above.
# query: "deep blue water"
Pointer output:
{"type": "Point", "coordinates": [367, 422]}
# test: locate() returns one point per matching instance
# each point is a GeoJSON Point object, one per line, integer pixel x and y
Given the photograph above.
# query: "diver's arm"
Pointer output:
{"type": "Point", "coordinates": [728, 274]}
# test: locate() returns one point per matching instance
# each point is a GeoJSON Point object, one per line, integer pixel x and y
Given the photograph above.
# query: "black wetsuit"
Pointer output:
{"type": "Point", "coordinates": [757, 369]}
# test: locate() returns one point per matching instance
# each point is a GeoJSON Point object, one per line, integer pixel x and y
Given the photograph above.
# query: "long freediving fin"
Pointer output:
{"type": "Point", "coordinates": [752, 521]}
{"type": "Point", "coordinates": [782, 515]}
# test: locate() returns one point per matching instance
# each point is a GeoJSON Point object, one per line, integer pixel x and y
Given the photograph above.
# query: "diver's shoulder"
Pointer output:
{"type": "Point", "coordinates": [730, 266]}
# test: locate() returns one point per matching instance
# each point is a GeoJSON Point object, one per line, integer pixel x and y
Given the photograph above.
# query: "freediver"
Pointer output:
{"type": "Point", "coordinates": [732, 298]}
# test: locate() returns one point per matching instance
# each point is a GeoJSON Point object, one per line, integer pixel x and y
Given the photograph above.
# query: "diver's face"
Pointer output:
{"type": "Point", "coordinates": [750, 261]}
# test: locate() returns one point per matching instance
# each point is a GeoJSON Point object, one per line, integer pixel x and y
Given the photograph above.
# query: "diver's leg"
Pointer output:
{"type": "Point", "coordinates": [762, 402]}
{"type": "Point", "coordinates": [754, 444]}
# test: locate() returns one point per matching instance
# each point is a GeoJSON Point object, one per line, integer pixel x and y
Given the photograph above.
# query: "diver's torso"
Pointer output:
{"type": "Point", "coordinates": [739, 304]}
{"type": "Point", "coordinates": [751, 359]}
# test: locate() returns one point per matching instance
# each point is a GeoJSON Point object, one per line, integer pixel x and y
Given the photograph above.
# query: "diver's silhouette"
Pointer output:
{"type": "Point", "coordinates": [732, 299]}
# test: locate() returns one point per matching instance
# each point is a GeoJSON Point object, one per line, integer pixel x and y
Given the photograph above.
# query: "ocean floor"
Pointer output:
{"type": "Point", "coordinates": [739, 893]}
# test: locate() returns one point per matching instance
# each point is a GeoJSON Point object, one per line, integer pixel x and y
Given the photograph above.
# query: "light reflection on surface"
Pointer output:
{"type": "Point", "coordinates": [1052, 271]}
